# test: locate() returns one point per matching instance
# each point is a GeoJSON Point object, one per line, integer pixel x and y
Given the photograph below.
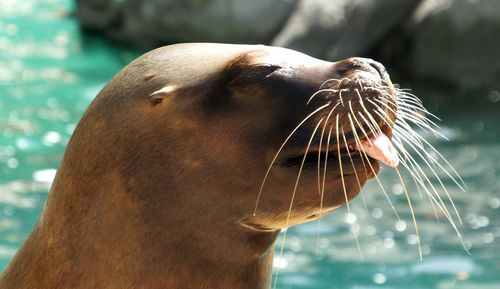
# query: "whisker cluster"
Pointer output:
{"type": "Point", "coordinates": [352, 108]}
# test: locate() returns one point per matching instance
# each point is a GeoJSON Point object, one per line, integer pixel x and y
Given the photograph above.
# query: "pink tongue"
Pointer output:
{"type": "Point", "coordinates": [380, 148]}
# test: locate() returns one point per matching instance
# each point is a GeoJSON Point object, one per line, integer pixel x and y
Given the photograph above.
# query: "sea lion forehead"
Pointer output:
{"type": "Point", "coordinates": [202, 56]}
{"type": "Point", "coordinates": [216, 51]}
{"type": "Point", "coordinates": [182, 61]}
{"type": "Point", "coordinates": [187, 63]}
{"type": "Point", "coordinates": [287, 58]}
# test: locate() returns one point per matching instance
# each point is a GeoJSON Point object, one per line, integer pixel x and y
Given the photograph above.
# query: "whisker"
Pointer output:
{"type": "Point", "coordinates": [374, 128]}
{"type": "Point", "coordinates": [414, 107]}
{"type": "Point", "coordinates": [415, 104]}
{"type": "Point", "coordinates": [420, 139]}
{"type": "Point", "coordinates": [355, 173]}
{"type": "Point", "coordinates": [279, 151]}
{"type": "Point", "coordinates": [441, 156]}
{"type": "Point", "coordinates": [360, 84]}
{"type": "Point", "coordinates": [343, 186]}
{"type": "Point", "coordinates": [419, 122]}
{"type": "Point", "coordinates": [358, 123]}
{"type": "Point", "coordinates": [415, 175]}
{"type": "Point", "coordinates": [404, 110]}
{"type": "Point", "coordinates": [440, 204]}
{"type": "Point", "coordinates": [410, 108]}
{"type": "Point", "coordinates": [323, 184]}
{"type": "Point", "coordinates": [407, 161]}
{"type": "Point", "coordinates": [416, 149]}
{"type": "Point", "coordinates": [293, 198]}
{"type": "Point", "coordinates": [320, 145]}
{"type": "Point", "coordinates": [338, 81]}
{"type": "Point", "coordinates": [340, 96]}
{"type": "Point", "coordinates": [412, 212]}
{"type": "Point", "coordinates": [321, 89]}
{"type": "Point", "coordinates": [389, 122]}
{"type": "Point", "coordinates": [358, 141]}
{"type": "Point", "coordinates": [372, 121]}
{"type": "Point", "coordinates": [412, 99]}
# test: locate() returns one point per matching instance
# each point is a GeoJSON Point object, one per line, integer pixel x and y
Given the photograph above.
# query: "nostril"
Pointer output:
{"type": "Point", "coordinates": [379, 67]}
{"type": "Point", "coordinates": [350, 65]}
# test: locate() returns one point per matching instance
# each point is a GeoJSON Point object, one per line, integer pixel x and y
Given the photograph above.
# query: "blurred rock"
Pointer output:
{"type": "Point", "coordinates": [450, 41]}
{"type": "Point", "coordinates": [339, 29]}
{"type": "Point", "coordinates": [457, 41]}
{"type": "Point", "coordinates": [323, 28]}
{"type": "Point", "coordinates": [150, 23]}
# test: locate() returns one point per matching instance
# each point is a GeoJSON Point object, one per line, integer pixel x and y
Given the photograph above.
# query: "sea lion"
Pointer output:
{"type": "Point", "coordinates": [164, 185]}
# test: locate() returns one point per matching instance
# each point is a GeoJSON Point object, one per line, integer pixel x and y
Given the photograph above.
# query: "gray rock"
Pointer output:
{"type": "Point", "coordinates": [342, 28]}
{"type": "Point", "coordinates": [323, 28]}
{"type": "Point", "coordinates": [457, 41]}
{"type": "Point", "coordinates": [151, 23]}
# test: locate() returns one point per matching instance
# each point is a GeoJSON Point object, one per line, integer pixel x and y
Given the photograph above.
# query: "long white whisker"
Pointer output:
{"type": "Point", "coordinates": [358, 141]}
{"type": "Point", "coordinates": [419, 122]}
{"type": "Point", "coordinates": [355, 172]}
{"type": "Point", "coordinates": [320, 145]}
{"type": "Point", "coordinates": [287, 223]}
{"type": "Point", "coordinates": [423, 140]}
{"type": "Point", "coordinates": [440, 204]}
{"type": "Point", "coordinates": [279, 151]}
{"type": "Point", "coordinates": [417, 150]}
{"type": "Point", "coordinates": [412, 212]}
{"type": "Point", "coordinates": [323, 184]}
{"type": "Point", "coordinates": [344, 187]}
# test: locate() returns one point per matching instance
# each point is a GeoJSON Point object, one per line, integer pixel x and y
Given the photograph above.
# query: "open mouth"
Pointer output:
{"type": "Point", "coordinates": [312, 157]}
{"type": "Point", "coordinates": [376, 146]}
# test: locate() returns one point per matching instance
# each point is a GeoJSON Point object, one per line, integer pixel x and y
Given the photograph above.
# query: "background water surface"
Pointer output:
{"type": "Point", "coordinates": [49, 73]}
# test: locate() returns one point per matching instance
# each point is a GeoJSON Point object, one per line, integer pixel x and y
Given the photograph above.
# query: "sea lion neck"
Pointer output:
{"type": "Point", "coordinates": [131, 217]}
{"type": "Point", "coordinates": [113, 237]}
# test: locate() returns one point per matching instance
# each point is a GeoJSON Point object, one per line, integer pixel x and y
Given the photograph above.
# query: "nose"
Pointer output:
{"type": "Point", "coordinates": [349, 65]}
{"type": "Point", "coordinates": [379, 67]}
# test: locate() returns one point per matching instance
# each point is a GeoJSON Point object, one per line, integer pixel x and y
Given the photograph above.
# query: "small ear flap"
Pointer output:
{"type": "Point", "coordinates": [158, 96]}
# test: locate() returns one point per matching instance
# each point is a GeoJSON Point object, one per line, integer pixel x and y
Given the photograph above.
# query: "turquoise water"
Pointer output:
{"type": "Point", "coordinates": [49, 73]}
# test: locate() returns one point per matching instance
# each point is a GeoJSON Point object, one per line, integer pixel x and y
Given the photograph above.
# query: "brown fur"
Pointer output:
{"type": "Point", "coordinates": [158, 190]}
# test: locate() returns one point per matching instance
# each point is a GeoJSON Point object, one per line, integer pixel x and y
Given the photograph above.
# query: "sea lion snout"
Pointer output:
{"type": "Point", "coordinates": [356, 64]}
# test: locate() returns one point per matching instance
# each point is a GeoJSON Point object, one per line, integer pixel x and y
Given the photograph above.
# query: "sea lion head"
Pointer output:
{"type": "Point", "coordinates": [239, 133]}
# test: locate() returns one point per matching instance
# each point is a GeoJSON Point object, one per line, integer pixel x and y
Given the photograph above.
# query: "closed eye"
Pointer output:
{"type": "Point", "coordinates": [255, 73]}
